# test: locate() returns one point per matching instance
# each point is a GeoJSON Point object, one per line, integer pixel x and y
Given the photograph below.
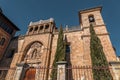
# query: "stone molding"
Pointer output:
{"type": "Point", "coordinates": [41, 22]}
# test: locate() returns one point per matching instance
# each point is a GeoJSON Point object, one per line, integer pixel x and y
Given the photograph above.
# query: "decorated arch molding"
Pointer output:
{"type": "Point", "coordinates": [34, 51]}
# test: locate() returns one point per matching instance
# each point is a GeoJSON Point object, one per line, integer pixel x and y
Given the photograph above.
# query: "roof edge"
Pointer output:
{"type": "Point", "coordinates": [91, 9]}
{"type": "Point", "coordinates": [10, 22]}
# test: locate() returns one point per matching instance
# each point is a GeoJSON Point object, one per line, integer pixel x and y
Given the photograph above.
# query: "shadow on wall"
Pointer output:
{"type": "Point", "coordinates": [69, 70]}
{"type": "Point", "coordinates": [8, 57]}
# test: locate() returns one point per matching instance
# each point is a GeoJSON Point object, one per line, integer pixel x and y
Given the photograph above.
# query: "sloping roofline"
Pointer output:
{"type": "Point", "coordinates": [10, 22]}
{"type": "Point", "coordinates": [91, 9]}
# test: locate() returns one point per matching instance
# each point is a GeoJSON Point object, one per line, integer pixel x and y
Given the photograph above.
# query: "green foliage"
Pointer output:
{"type": "Point", "coordinates": [98, 58]}
{"type": "Point", "coordinates": [60, 53]}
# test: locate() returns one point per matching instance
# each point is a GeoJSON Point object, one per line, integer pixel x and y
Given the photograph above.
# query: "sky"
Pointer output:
{"type": "Point", "coordinates": [65, 12]}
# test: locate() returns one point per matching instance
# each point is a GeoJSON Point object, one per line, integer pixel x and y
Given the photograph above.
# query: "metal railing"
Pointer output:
{"type": "Point", "coordinates": [72, 72]}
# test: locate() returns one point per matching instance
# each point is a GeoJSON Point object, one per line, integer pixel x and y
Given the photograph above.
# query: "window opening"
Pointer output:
{"type": "Point", "coordinates": [2, 41]}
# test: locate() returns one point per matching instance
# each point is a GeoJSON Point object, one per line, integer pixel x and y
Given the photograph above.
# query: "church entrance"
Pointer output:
{"type": "Point", "coordinates": [30, 74]}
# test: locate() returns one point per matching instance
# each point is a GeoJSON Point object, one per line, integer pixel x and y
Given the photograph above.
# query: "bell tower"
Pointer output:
{"type": "Point", "coordinates": [93, 16]}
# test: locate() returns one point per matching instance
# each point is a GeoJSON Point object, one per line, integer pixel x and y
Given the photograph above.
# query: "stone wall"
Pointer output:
{"type": "Point", "coordinates": [7, 37]}
{"type": "Point", "coordinates": [78, 41]}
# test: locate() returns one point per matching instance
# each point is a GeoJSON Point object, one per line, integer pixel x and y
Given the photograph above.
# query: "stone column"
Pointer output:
{"type": "Point", "coordinates": [19, 70]}
{"type": "Point", "coordinates": [116, 69]}
{"type": "Point", "coordinates": [61, 71]}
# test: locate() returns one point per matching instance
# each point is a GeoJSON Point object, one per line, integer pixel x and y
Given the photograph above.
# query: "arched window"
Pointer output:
{"type": "Point", "coordinates": [2, 41]}
{"type": "Point", "coordinates": [41, 27]}
{"type": "Point", "coordinates": [30, 30]}
{"type": "Point", "coordinates": [67, 48]}
{"type": "Point", "coordinates": [36, 28]}
{"type": "Point", "coordinates": [91, 18]}
{"type": "Point", "coordinates": [46, 26]}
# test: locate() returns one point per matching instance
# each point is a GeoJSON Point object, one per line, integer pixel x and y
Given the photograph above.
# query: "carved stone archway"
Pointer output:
{"type": "Point", "coordinates": [32, 58]}
{"type": "Point", "coordinates": [34, 52]}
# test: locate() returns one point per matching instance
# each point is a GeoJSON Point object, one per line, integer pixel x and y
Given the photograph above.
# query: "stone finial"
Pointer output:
{"type": "Point", "coordinates": [30, 23]}
{"type": "Point", "coordinates": [51, 20]}
{"type": "Point", "coordinates": [40, 21]}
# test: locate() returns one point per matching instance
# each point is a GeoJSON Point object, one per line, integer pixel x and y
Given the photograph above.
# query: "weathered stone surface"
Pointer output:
{"type": "Point", "coordinates": [79, 42]}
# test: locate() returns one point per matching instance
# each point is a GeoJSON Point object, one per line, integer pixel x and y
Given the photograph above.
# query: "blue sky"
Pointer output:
{"type": "Point", "coordinates": [65, 12]}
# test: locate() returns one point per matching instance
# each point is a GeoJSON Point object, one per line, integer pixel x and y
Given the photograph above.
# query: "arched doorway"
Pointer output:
{"type": "Point", "coordinates": [30, 74]}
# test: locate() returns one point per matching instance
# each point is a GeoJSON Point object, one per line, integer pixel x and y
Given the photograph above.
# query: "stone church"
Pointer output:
{"type": "Point", "coordinates": [26, 53]}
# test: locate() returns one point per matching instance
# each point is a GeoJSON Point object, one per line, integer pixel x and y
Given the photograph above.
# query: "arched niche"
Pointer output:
{"type": "Point", "coordinates": [91, 18]}
{"type": "Point", "coordinates": [33, 51]}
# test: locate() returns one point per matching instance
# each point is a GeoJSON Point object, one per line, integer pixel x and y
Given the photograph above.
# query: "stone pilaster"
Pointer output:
{"type": "Point", "coordinates": [61, 70]}
{"type": "Point", "coordinates": [116, 69]}
{"type": "Point", "coordinates": [19, 70]}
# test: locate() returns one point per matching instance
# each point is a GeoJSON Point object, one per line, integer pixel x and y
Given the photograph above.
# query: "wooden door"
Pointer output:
{"type": "Point", "coordinates": [30, 74]}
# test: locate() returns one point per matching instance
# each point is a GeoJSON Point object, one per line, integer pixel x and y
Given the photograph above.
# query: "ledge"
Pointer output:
{"type": "Point", "coordinates": [114, 62]}
{"type": "Point", "coordinates": [84, 27]}
{"type": "Point", "coordinates": [61, 62]}
{"type": "Point", "coordinates": [96, 34]}
{"type": "Point", "coordinates": [20, 64]}
{"type": "Point", "coordinates": [91, 9]}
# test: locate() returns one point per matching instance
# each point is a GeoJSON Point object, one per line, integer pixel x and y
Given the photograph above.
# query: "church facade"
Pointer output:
{"type": "Point", "coordinates": [38, 46]}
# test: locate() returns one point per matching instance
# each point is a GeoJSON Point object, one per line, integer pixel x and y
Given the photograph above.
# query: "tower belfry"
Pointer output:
{"type": "Point", "coordinates": [93, 16]}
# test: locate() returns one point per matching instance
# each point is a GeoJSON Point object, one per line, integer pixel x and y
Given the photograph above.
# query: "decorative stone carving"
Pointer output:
{"type": "Point", "coordinates": [34, 51]}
